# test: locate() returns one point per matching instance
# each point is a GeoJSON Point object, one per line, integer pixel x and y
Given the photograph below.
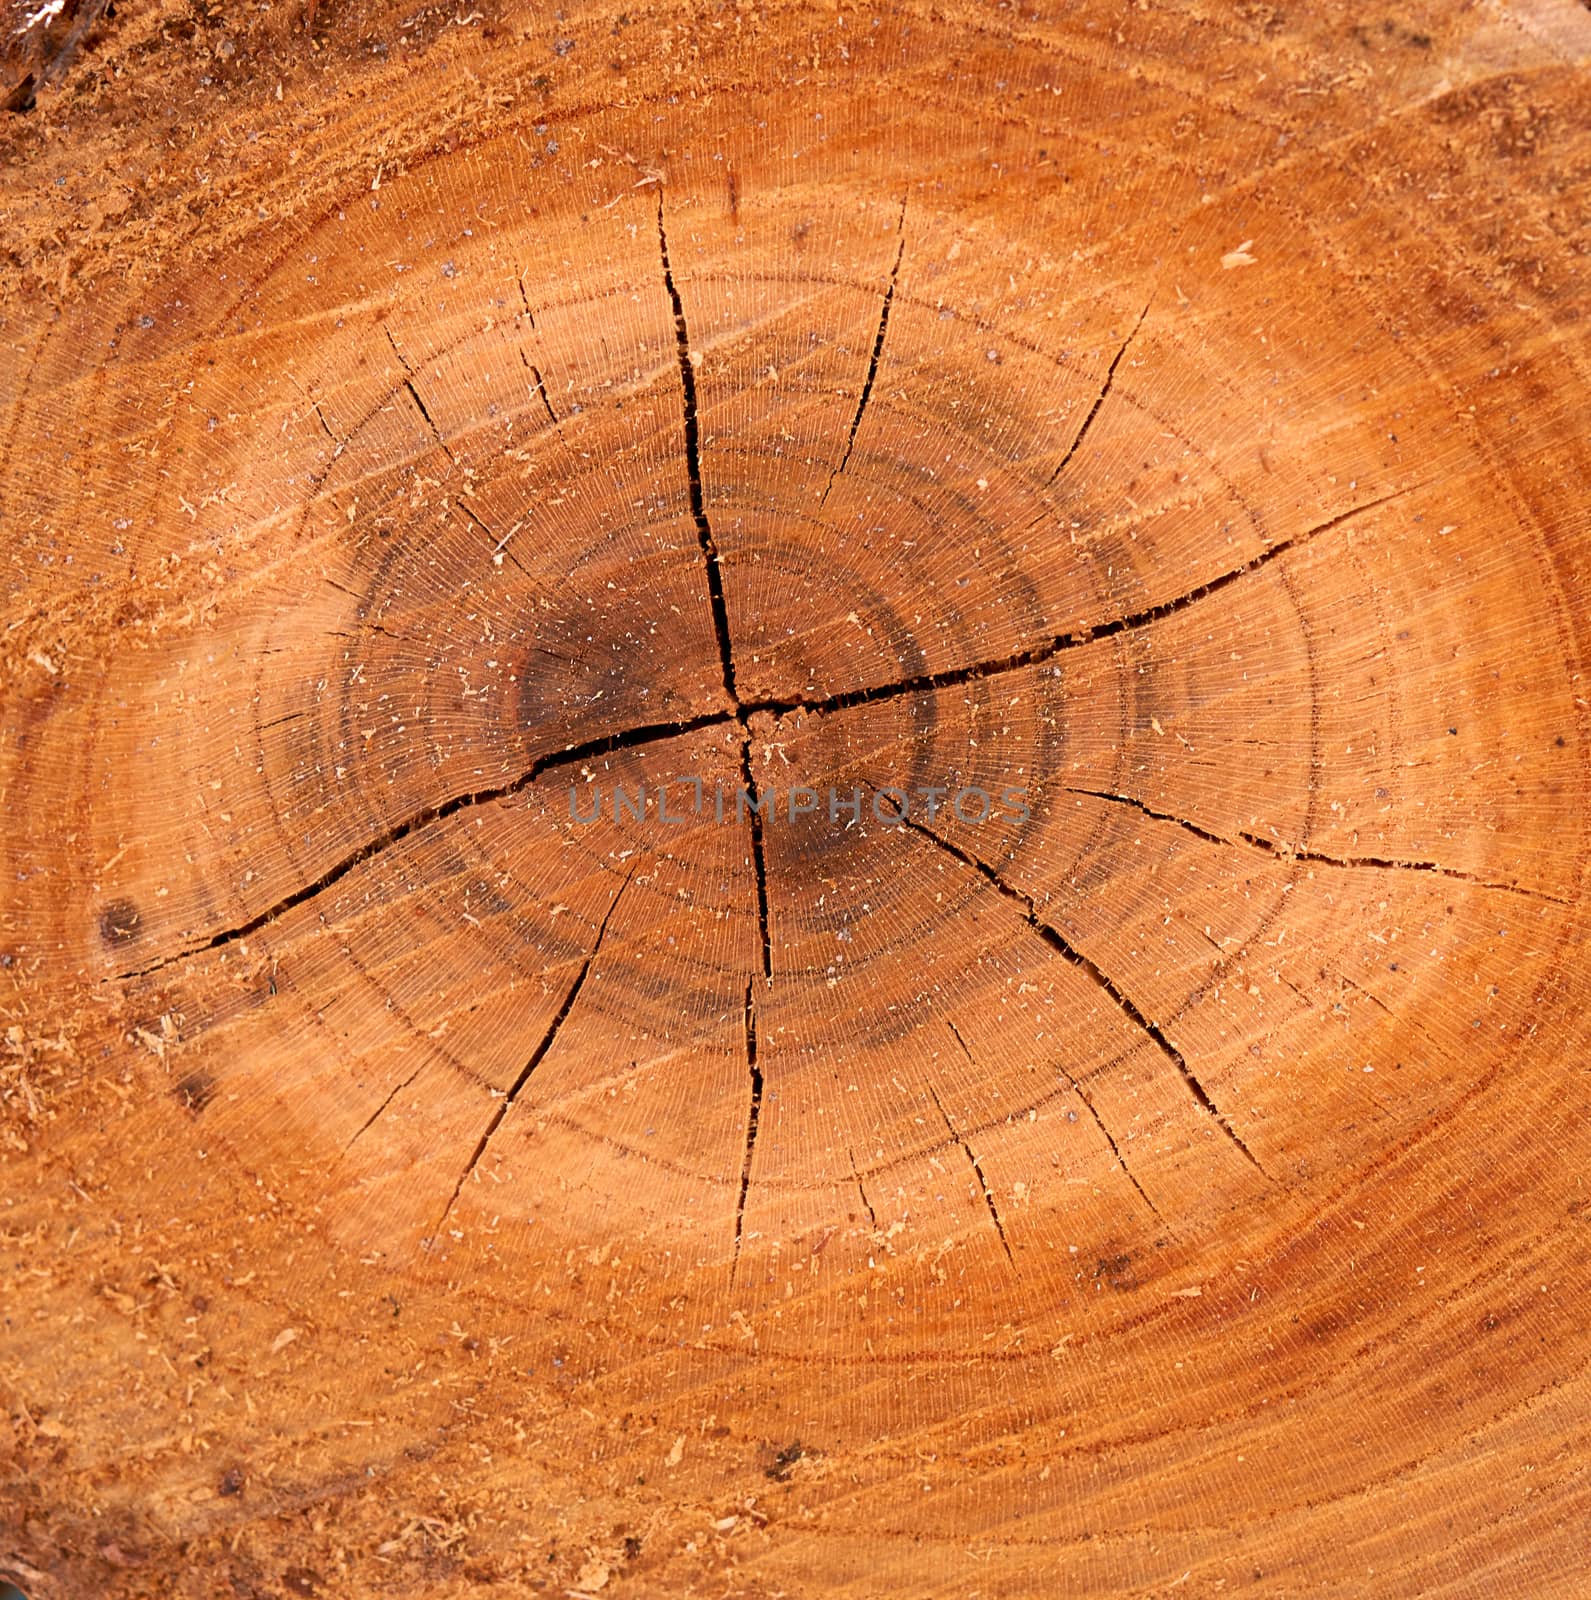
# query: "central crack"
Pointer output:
{"type": "Point", "coordinates": [693, 468]}
{"type": "Point", "coordinates": [740, 710]}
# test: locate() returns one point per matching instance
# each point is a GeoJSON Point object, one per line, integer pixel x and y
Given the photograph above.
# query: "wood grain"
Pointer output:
{"type": "Point", "coordinates": [421, 428]}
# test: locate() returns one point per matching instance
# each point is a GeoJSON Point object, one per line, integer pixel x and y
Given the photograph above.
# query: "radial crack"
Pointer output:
{"type": "Point", "coordinates": [538, 1055]}
{"type": "Point", "coordinates": [1358, 988]}
{"type": "Point", "coordinates": [878, 351]}
{"type": "Point", "coordinates": [364, 622]}
{"type": "Point", "coordinates": [1283, 851]}
{"type": "Point", "coordinates": [861, 1189]}
{"type": "Point", "coordinates": [1159, 816]}
{"type": "Point", "coordinates": [754, 817]}
{"type": "Point", "coordinates": [320, 416]}
{"type": "Point", "coordinates": [629, 739]}
{"type": "Point", "coordinates": [1110, 378]}
{"type": "Point", "coordinates": [977, 1170]}
{"type": "Point", "coordinates": [541, 388]}
{"type": "Point", "coordinates": [1099, 1121]}
{"type": "Point", "coordinates": [1037, 655]}
{"type": "Point", "coordinates": [693, 467]}
{"type": "Point", "coordinates": [414, 395]}
{"type": "Point", "coordinates": [1123, 1002]}
{"type": "Point", "coordinates": [499, 546]}
{"type": "Point", "coordinates": [753, 1115]}
{"type": "Point", "coordinates": [375, 1115]}
{"type": "Point", "coordinates": [1115, 1149]}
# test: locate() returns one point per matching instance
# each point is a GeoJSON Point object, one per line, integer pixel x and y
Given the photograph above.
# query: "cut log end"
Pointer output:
{"type": "Point", "coordinates": [804, 818]}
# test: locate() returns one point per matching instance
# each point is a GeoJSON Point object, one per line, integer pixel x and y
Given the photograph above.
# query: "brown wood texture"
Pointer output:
{"type": "Point", "coordinates": [1178, 414]}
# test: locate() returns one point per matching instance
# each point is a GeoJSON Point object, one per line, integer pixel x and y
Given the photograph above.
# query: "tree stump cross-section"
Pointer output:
{"type": "Point", "coordinates": [795, 804]}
